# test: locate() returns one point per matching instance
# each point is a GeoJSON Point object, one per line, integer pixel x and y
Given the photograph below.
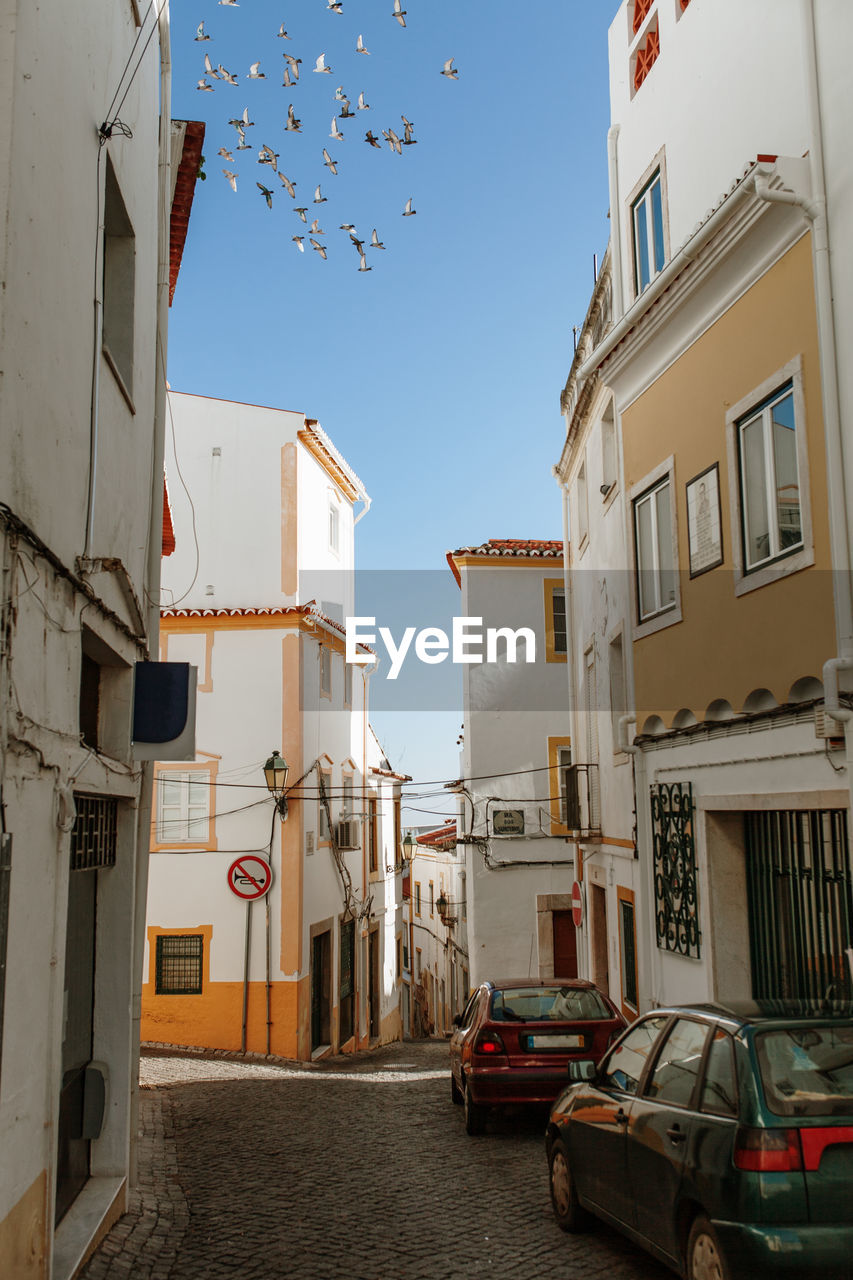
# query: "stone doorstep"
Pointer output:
{"type": "Point", "coordinates": [97, 1208]}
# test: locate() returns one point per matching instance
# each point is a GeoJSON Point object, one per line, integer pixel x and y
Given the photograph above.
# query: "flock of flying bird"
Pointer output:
{"type": "Point", "coordinates": [270, 158]}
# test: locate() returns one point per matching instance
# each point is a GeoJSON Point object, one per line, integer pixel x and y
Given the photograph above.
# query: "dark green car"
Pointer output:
{"type": "Point", "coordinates": [718, 1137]}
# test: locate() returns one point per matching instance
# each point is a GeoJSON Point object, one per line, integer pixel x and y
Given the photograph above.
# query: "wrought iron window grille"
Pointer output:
{"type": "Point", "coordinates": [676, 891]}
{"type": "Point", "coordinates": [94, 836]}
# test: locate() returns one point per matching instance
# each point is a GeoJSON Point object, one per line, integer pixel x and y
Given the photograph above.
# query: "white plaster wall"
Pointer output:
{"type": "Point", "coordinates": [701, 101]}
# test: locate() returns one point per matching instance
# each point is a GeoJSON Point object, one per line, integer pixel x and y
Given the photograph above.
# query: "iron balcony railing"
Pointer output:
{"type": "Point", "coordinates": [582, 800]}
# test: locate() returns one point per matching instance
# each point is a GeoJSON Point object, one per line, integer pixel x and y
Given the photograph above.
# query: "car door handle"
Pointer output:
{"type": "Point", "coordinates": [675, 1134]}
{"type": "Point", "coordinates": [621, 1117]}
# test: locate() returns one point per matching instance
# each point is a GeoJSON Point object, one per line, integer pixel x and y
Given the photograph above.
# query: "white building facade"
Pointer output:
{"type": "Point", "coordinates": [262, 579]}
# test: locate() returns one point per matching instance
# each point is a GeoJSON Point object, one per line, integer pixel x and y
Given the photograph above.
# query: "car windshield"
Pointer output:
{"type": "Point", "coordinates": [548, 1004]}
{"type": "Point", "coordinates": [808, 1070]}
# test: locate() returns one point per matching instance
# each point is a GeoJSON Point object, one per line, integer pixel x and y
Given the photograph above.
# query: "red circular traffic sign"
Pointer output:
{"type": "Point", "coordinates": [577, 903]}
{"type": "Point", "coordinates": [249, 877]}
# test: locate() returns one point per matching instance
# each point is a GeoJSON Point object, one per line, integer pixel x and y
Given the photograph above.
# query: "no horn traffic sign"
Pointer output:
{"type": "Point", "coordinates": [249, 877]}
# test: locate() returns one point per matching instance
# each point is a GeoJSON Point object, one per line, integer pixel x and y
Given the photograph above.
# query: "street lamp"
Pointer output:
{"type": "Point", "coordinates": [275, 773]}
{"type": "Point", "coordinates": [408, 846]}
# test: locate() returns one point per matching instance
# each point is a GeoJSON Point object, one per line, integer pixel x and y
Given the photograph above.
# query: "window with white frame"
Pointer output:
{"type": "Point", "coordinates": [648, 232]}
{"type": "Point", "coordinates": [334, 526]}
{"type": "Point", "coordinates": [655, 557]}
{"type": "Point", "coordinates": [618, 701]}
{"type": "Point", "coordinates": [564, 760]}
{"type": "Point", "coordinates": [582, 506]}
{"type": "Point", "coordinates": [771, 516]}
{"type": "Point", "coordinates": [183, 807]}
{"type": "Point", "coordinates": [348, 808]}
{"type": "Point", "coordinates": [558, 614]}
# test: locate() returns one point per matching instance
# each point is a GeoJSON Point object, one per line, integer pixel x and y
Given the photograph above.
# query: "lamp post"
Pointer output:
{"type": "Point", "coordinates": [276, 770]}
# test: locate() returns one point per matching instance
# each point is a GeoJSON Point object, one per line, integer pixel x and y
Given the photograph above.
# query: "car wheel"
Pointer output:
{"type": "Point", "coordinates": [704, 1257]}
{"type": "Point", "coordinates": [455, 1091]}
{"type": "Point", "coordinates": [475, 1115]}
{"type": "Point", "coordinates": [564, 1198]}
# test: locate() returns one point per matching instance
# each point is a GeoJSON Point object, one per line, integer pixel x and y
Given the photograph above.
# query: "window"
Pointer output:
{"type": "Point", "coordinates": [618, 700]}
{"type": "Point", "coordinates": [325, 671]}
{"type": "Point", "coordinates": [417, 899]}
{"type": "Point", "coordinates": [624, 1067]}
{"type": "Point", "coordinates": [653, 545]}
{"type": "Point", "coordinates": [405, 953]}
{"type": "Point", "coordinates": [418, 962]}
{"type": "Point", "coordinates": [564, 759]}
{"type": "Point", "coordinates": [372, 836]}
{"type": "Point", "coordinates": [334, 526]}
{"type": "Point", "coordinates": [646, 56]}
{"type": "Point", "coordinates": [677, 1068]}
{"type": "Point", "coordinates": [769, 481]}
{"type": "Point", "coordinates": [582, 505]}
{"type": "Point", "coordinates": [608, 450]}
{"type": "Point", "coordinates": [641, 8]}
{"type": "Point", "coordinates": [183, 807]}
{"type": "Point", "coordinates": [119, 280]}
{"type": "Point", "coordinates": [324, 834]}
{"type": "Point", "coordinates": [556, 636]}
{"type": "Point", "coordinates": [179, 964]}
{"type": "Point", "coordinates": [647, 223]}
{"type": "Point", "coordinates": [628, 949]}
{"type": "Point", "coordinates": [399, 956]}
{"type": "Point", "coordinates": [347, 807]}
{"type": "Point", "coordinates": [719, 1092]}
{"type": "Point", "coordinates": [559, 760]}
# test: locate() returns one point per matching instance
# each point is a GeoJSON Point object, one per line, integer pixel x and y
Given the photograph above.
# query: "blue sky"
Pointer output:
{"type": "Point", "coordinates": [438, 372]}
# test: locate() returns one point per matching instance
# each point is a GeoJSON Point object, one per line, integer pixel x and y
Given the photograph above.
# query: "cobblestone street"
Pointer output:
{"type": "Point", "coordinates": [357, 1168]}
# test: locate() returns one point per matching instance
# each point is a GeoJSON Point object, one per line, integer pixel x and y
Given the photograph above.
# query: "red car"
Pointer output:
{"type": "Point", "coordinates": [514, 1040]}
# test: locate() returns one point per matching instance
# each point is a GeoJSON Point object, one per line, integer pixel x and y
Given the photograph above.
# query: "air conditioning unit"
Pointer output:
{"type": "Point", "coordinates": [826, 726]}
{"type": "Point", "coordinates": [348, 835]}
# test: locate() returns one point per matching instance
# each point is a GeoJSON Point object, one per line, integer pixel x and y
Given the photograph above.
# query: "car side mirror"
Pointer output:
{"type": "Point", "coordinates": [581, 1069]}
{"type": "Point", "coordinates": [457, 1019]}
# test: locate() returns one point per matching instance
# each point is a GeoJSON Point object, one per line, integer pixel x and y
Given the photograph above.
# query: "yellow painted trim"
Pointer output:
{"type": "Point", "coordinates": [509, 562]}
{"type": "Point", "coordinates": [558, 828]}
{"type": "Point", "coordinates": [550, 585]}
{"type": "Point", "coordinates": [186, 766]}
{"type": "Point", "coordinates": [155, 931]}
{"type": "Point", "coordinates": [290, 843]}
{"type": "Point", "coordinates": [627, 895]}
{"type": "Point", "coordinates": [320, 454]}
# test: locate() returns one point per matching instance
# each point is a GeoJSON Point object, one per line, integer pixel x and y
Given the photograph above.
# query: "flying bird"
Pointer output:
{"type": "Point", "coordinates": [282, 33]}
{"type": "Point", "coordinates": [321, 248]}
{"type": "Point", "coordinates": [362, 105]}
{"type": "Point", "coordinates": [267, 194]}
{"type": "Point", "coordinates": [232, 3]}
{"type": "Point", "coordinates": [255, 72]}
{"type": "Point", "coordinates": [408, 130]}
{"type": "Point", "coordinates": [372, 139]}
{"type": "Point", "coordinates": [226, 75]}
{"type": "Point", "coordinates": [242, 145]}
{"type": "Point", "coordinates": [232, 178]}
{"type": "Point", "coordinates": [302, 213]}
{"type": "Point", "coordinates": [363, 265]}
{"type": "Point", "coordinates": [359, 47]}
{"type": "Point", "coordinates": [287, 83]}
{"type": "Point", "coordinates": [294, 64]}
{"type": "Point", "coordinates": [359, 244]}
{"type": "Point", "coordinates": [335, 6]}
{"type": "Point", "coordinates": [319, 198]}
{"type": "Point", "coordinates": [393, 141]}
{"type": "Point", "coordinates": [297, 240]}
{"type": "Point", "coordinates": [336, 133]}
{"type": "Point", "coordinates": [225, 153]}
{"type": "Point", "coordinates": [288, 185]}
{"type": "Point", "coordinates": [204, 86]}
{"type": "Point", "coordinates": [346, 114]}
{"type": "Point", "coordinates": [199, 34]}
{"type": "Point", "coordinates": [409, 212]}
{"type": "Point", "coordinates": [375, 242]}
{"type": "Point", "coordinates": [450, 71]}
{"type": "Point", "coordinates": [320, 65]}
{"type": "Point", "coordinates": [347, 226]}
{"type": "Point", "coordinates": [266, 155]}
{"type": "Point", "coordinates": [329, 162]}
{"type": "Point", "coordinates": [293, 125]}
{"type": "Point", "coordinates": [340, 96]}
{"type": "Point", "coordinates": [209, 69]}
{"type": "Point", "coordinates": [244, 119]}
{"type": "Point", "coordinates": [399, 13]}
{"type": "Point", "coordinates": [316, 229]}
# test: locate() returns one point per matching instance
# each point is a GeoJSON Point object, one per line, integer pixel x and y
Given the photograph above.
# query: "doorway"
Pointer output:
{"type": "Point", "coordinates": [599, 939]}
{"type": "Point", "coordinates": [321, 994]}
{"type": "Point", "coordinates": [72, 1165]}
{"type": "Point", "coordinates": [565, 944]}
{"type": "Point", "coordinates": [373, 980]}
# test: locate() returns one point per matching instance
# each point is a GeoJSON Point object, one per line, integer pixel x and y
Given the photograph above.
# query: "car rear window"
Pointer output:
{"type": "Point", "coordinates": [548, 1004]}
{"type": "Point", "coordinates": [807, 1071]}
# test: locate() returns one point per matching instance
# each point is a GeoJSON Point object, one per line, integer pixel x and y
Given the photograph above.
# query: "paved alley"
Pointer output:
{"type": "Point", "coordinates": [357, 1168]}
